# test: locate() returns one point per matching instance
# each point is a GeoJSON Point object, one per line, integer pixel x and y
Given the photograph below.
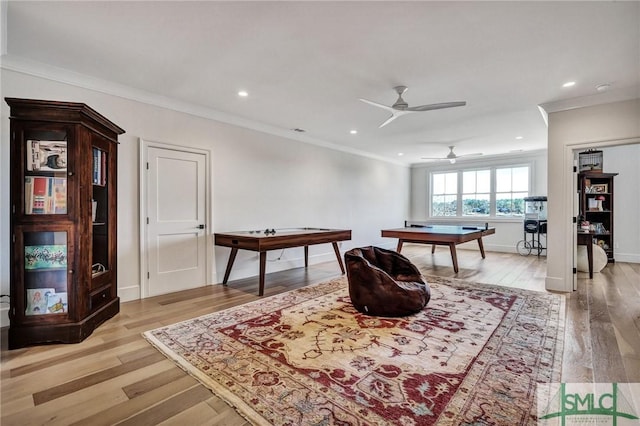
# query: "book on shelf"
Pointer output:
{"type": "Point", "coordinates": [99, 167]}
{"type": "Point", "coordinates": [46, 156]}
{"type": "Point", "coordinates": [59, 195]}
{"type": "Point", "coordinates": [37, 299]}
{"type": "Point", "coordinates": [45, 195]}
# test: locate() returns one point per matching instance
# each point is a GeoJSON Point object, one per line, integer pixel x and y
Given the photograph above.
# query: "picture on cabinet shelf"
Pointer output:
{"type": "Point", "coordinates": [45, 156]}
{"type": "Point", "coordinates": [599, 188]}
{"type": "Point", "coordinates": [51, 256]}
{"type": "Point", "coordinates": [37, 300]}
{"type": "Point", "coordinates": [57, 303]}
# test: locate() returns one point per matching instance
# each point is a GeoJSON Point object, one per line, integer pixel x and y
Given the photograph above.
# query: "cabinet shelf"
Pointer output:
{"type": "Point", "coordinates": [36, 270]}
{"type": "Point", "coordinates": [53, 150]}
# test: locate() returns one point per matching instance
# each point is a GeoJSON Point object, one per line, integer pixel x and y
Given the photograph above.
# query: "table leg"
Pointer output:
{"type": "Point", "coordinates": [337, 250]}
{"type": "Point", "coordinates": [263, 264]}
{"type": "Point", "coordinates": [433, 248]}
{"type": "Point", "coordinates": [590, 259]}
{"type": "Point", "coordinates": [306, 256]}
{"type": "Point", "coordinates": [399, 248]}
{"type": "Point", "coordinates": [481, 245]}
{"type": "Point", "coordinates": [232, 258]}
{"type": "Point", "coordinates": [454, 256]}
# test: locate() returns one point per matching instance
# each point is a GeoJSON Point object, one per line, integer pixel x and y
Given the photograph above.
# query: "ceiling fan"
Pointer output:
{"type": "Point", "coordinates": [400, 107]}
{"type": "Point", "coordinates": [451, 156]}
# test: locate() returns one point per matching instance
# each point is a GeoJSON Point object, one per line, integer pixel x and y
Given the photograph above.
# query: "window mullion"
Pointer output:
{"type": "Point", "coordinates": [492, 195]}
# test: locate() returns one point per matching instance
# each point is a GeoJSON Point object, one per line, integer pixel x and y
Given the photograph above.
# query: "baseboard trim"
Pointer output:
{"type": "Point", "coordinates": [626, 257]}
{"type": "Point", "coordinates": [557, 284]}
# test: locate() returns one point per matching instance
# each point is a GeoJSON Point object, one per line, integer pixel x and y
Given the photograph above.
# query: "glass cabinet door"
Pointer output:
{"type": "Point", "coordinates": [100, 213]}
{"type": "Point", "coordinates": [45, 171]}
{"type": "Point", "coordinates": [46, 272]}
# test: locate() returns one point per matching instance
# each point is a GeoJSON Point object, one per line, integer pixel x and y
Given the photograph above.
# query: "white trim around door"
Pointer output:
{"type": "Point", "coordinates": [205, 221]}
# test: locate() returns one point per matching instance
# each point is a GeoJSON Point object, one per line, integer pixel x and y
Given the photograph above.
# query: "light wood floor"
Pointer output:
{"type": "Point", "coordinates": [116, 377]}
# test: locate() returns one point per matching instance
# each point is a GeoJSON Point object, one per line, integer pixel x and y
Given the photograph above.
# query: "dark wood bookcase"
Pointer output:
{"type": "Point", "coordinates": [63, 221]}
{"type": "Point", "coordinates": [596, 206]}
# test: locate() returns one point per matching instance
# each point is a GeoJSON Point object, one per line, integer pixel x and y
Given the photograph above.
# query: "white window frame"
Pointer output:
{"type": "Point", "coordinates": [492, 196]}
{"type": "Point", "coordinates": [461, 192]}
{"type": "Point", "coordinates": [446, 194]}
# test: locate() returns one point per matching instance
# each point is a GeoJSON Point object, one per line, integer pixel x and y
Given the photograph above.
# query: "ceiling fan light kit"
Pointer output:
{"type": "Point", "coordinates": [401, 107]}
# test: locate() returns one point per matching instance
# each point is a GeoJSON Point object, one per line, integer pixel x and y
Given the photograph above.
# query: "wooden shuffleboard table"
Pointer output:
{"type": "Point", "coordinates": [275, 239]}
{"type": "Point", "coordinates": [444, 235]}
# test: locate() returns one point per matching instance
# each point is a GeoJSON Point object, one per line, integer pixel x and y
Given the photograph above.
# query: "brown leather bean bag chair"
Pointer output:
{"type": "Point", "coordinates": [385, 283]}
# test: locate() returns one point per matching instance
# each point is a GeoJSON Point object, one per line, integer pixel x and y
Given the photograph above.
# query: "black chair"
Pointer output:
{"type": "Point", "coordinates": [385, 283]}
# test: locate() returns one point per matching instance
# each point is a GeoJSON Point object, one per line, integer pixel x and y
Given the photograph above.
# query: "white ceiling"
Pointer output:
{"type": "Point", "coordinates": [306, 64]}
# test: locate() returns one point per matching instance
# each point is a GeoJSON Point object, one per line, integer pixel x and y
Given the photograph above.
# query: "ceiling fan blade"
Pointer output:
{"type": "Point", "coordinates": [436, 106]}
{"type": "Point", "coordinates": [389, 120]}
{"type": "Point", "coordinates": [395, 113]}
{"type": "Point", "coordinates": [385, 107]}
{"type": "Point", "coordinates": [469, 155]}
{"type": "Point", "coordinates": [433, 158]}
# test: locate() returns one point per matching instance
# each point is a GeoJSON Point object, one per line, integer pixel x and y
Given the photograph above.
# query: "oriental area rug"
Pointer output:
{"type": "Point", "coordinates": [473, 356]}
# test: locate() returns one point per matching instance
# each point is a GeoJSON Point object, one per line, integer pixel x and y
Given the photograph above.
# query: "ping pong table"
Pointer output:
{"type": "Point", "coordinates": [440, 235]}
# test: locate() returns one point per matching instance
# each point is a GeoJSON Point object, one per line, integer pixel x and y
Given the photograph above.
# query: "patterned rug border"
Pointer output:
{"type": "Point", "coordinates": [247, 412]}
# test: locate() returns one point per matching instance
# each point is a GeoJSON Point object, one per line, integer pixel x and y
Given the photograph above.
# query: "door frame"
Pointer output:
{"type": "Point", "coordinates": [570, 230]}
{"type": "Point", "coordinates": [144, 146]}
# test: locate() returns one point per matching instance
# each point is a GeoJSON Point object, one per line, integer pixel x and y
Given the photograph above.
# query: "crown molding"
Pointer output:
{"type": "Point", "coordinates": [485, 160]}
{"type": "Point", "coordinates": [610, 96]}
{"type": "Point", "coordinates": [61, 75]}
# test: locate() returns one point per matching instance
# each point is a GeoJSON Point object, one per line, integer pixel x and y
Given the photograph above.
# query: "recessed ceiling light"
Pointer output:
{"type": "Point", "coordinates": [299, 130]}
{"type": "Point", "coordinates": [603, 87]}
{"type": "Point", "coordinates": [243, 93]}
{"type": "Point", "coordinates": [519, 137]}
{"type": "Point", "coordinates": [569, 84]}
{"type": "Point", "coordinates": [400, 154]}
{"type": "Point", "coordinates": [353, 132]}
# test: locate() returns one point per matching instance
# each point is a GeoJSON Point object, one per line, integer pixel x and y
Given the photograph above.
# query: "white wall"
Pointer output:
{"type": "Point", "coordinates": [259, 181]}
{"type": "Point", "coordinates": [508, 231]}
{"type": "Point", "coordinates": [625, 160]}
{"type": "Point", "coordinates": [597, 126]}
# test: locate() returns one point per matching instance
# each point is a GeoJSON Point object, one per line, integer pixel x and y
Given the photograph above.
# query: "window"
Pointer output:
{"type": "Point", "coordinates": [445, 194]}
{"type": "Point", "coordinates": [495, 191]}
{"type": "Point", "coordinates": [476, 191]}
{"type": "Point", "coordinates": [512, 185]}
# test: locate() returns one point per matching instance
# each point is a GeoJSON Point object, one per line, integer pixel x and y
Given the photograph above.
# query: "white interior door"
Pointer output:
{"type": "Point", "coordinates": [176, 220]}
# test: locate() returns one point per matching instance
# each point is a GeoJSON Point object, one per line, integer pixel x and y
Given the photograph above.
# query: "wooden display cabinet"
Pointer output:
{"type": "Point", "coordinates": [63, 221]}
{"type": "Point", "coordinates": [596, 207]}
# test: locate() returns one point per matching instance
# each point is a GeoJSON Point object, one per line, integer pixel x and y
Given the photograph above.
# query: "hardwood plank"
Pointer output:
{"type": "Point", "coordinates": [200, 414]}
{"type": "Point", "coordinates": [624, 313]}
{"type": "Point", "coordinates": [98, 377]}
{"type": "Point", "coordinates": [141, 402]}
{"type": "Point", "coordinates": [66, 357]}
{"type": "Point", "coordinates": [577, 366]}
{"type": "Point", "coordinates": [68, 409]}
{"type": "Point", "coordinates": [54, 374]}
{"type": "Point", "coordinates": [148, 384]}
{"type": "Point", "coordinates": [603, 338]}
{"type": "Point", "coordinates": [170, 407]}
